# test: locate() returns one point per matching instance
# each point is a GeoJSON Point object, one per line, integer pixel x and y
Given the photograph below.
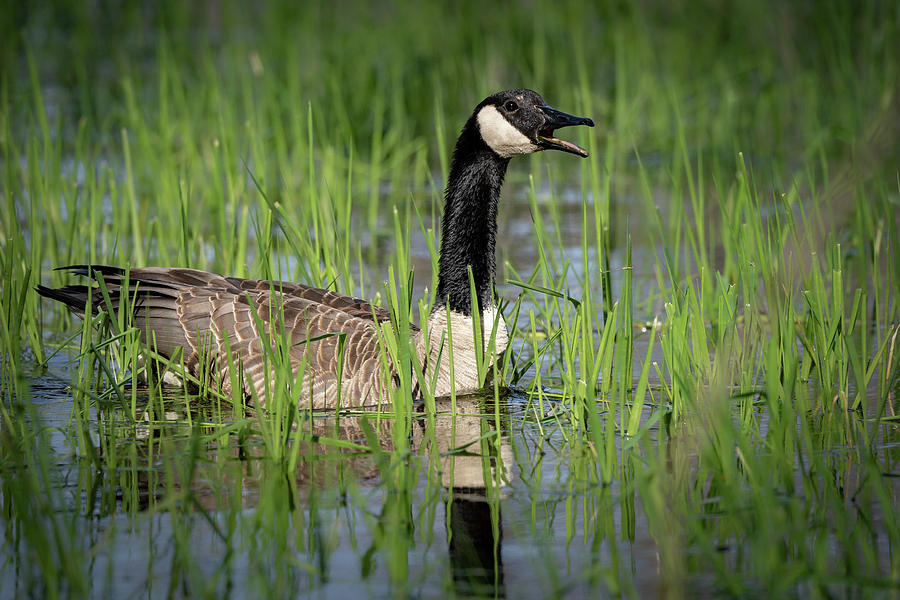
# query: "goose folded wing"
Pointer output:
{"type": "Point", "coordinates": [355, 307]}
{"type": "Point", "coordinates": [264, 331]}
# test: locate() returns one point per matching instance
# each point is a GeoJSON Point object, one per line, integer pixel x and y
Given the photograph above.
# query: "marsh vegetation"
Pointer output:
{"type": "Point", "coordinates": [700, 396]}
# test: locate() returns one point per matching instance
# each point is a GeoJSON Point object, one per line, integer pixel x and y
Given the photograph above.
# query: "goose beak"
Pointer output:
{"type": "Point", "coordinates": [556, 119]}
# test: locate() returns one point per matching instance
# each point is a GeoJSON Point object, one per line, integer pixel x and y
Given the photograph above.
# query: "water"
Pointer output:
{"type": "Point", "coordinates": [489, 502]}
{"type": "Point", "coordinates": [484, 514]}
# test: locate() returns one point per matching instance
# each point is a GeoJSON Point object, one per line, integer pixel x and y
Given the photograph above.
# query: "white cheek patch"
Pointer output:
{"type": "Point", "coordinates": [501, 136]}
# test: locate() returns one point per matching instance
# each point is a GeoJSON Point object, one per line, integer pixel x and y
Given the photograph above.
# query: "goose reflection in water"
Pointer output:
{"type": "Point", "coordinates": [464, 453]}
{"type": "Point", "coordinates": [473, 480]}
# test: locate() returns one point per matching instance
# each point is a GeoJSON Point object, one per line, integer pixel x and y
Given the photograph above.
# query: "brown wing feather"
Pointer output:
{"type": "Point", "coordinates": [232, 322]}
{"type": "Point", "coordinates": [179, 278]}
{"type": "Point", "coordinates": [354, 307]}
{"type": "Point", "coordinates": [254, 330]}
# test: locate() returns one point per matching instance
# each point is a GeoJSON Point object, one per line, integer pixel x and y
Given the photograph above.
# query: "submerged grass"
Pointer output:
{"type": "Point", "coordinates": [704, 313]}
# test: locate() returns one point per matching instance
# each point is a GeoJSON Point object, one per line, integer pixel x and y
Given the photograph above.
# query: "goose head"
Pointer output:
{"type": "Point", "coordinates": [520, 122]}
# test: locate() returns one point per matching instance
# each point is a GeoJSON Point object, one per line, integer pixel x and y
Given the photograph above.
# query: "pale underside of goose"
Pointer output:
{"type": "Point", "coordinates": [237, 331]}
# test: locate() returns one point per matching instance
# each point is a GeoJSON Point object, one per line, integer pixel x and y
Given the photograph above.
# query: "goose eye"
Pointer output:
{"type": "Point", "coordinates": [511, 106]}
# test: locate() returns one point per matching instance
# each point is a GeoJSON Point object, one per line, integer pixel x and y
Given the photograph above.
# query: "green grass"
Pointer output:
{"type": "Point", "coordinates": [704, 312]}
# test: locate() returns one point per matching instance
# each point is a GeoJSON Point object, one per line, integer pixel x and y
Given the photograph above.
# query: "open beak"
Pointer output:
{"type": "Point", "coordinates": [556, 119]}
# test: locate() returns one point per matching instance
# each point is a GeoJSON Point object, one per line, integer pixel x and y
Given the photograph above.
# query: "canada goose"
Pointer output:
{"type": "Point", "coordinates": [228, 320]}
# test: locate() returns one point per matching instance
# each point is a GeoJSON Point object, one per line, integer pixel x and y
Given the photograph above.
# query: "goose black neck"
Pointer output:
{"type": "Point", "coordinates": [469, 225]}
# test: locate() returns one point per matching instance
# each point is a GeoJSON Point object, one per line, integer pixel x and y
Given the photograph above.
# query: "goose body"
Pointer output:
{"type": "Point", "coordinates": [226, 326]}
